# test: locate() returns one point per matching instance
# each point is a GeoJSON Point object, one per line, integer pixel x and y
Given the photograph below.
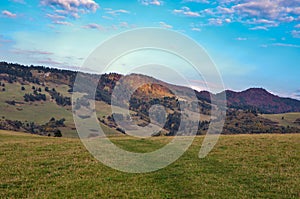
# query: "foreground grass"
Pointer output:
{"type": "Point", "coordinates": [256, 166]}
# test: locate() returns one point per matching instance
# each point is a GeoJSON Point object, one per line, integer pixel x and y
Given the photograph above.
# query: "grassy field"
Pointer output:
{"type": "Point", "coordinates": [285, 119]}
{"type": "Point", "coordinates": [42, 112]}
{"type": "Point", "coordinates": [242, 166]}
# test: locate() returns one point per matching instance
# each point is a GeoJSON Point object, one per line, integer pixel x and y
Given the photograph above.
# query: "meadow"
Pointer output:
{"type": "Point", "coordinates": [240, 166]}
{"type": "Point", "coordinates": [284, 119]}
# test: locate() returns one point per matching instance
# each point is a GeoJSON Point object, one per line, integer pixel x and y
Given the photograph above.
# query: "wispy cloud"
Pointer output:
{"type": "Point", "coordinates": [259, 28]}
{"type": "Point", "coordinates": [296, 33]}
{"type": "Point", "coordinates": [241, 39]}
{"type": "Point", "coordinates": [18, 1]}
{"type": "Point", "coordinates": [117, 12]}
{"type": "Point", "coordinates": [186, 11]}
{"type": "Point", "coordinates": [281, 45]}
{"type": "Point", "coordinates": [94, 26]}
{"type": "Point", "coordinates": [55, 16]}
{"type": "Point", "coordinates": [49, 61]}
{"type": "Point", "coordinates": [165, 25]}
{"type": "Point", "coordinates": [4, 40]}
{"type": "Point", "coordinates": [65, 23]}
{"type": "Point", "coordinates": [215, 21]}
{"type": "Point", "coordinates": [196, 1]}
{"type": "Point", "coordinates": [151, 2]}
{"type": "Point", "coordinates": [286, 45]}
{"type": "Point", "coordinates": [295, 94]}
{"type": "Point", "coordinates": [196, 29]}
{"type": "Point", "coordinates": [9, 14]}
{"type": "Point", "coordinates": [31, 52]}
{"type": "Point", "coordinates": [108, 18]}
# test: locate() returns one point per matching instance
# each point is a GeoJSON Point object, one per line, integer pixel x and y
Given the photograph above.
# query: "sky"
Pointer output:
{"type": "Point", "coordinates": [254, 43]}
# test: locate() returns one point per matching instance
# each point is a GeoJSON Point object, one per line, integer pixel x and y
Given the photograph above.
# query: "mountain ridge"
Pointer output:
{"type": "Point", "coordinates": [252, 98]}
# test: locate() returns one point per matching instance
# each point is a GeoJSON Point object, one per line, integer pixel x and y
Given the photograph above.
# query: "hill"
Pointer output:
{"type": "Point", "coordinates": [261, 100]}
{"type": "Point", "coordinates": [35, 98]}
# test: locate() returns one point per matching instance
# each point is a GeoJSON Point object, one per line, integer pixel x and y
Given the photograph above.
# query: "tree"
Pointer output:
{"type": "Point", "coordinates": [57, 133]}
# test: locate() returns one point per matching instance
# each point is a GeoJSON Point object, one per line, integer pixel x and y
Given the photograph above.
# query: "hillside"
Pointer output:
{"type": "Point", "coordinates": [36, 99]}
{"type": "Point", "coordinates": [261, 100]}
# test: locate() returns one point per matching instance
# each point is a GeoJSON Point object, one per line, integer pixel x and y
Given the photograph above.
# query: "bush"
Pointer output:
{"type": "Point", "coordinates": [57, 133]}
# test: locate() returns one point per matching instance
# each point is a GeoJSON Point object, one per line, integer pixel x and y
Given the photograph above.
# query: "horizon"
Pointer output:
{"type": "Point", "coordinates": [252, 45]}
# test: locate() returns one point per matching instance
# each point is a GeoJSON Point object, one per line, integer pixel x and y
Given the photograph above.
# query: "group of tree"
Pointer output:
{"type": "Point", "coordinates": [59, 98]}
{"type": "Point", "coordinates": [3, 86]}
{"type": "Point", "coordinates": [29, 97]}
{"type": "Point", "coordinates": [50, 128]}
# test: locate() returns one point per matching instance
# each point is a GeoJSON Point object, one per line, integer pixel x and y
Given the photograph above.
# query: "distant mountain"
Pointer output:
{"type": "Point", "coordinates": [261, 100]}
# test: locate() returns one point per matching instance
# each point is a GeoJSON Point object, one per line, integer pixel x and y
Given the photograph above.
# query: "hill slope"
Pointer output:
{"type": "Point", "coordinates": [261, 100]}
{"type": "Point", "coordinates": [32, 96]}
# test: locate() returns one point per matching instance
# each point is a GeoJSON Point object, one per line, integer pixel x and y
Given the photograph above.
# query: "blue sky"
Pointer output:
{"type": "Point", "coordinates": [254, 43]}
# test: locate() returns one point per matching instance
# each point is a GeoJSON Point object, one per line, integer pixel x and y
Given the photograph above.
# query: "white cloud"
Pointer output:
{"type": "Point", "coordinates": [297, 26]}
{"type": "Point", "coordinates": [196, 1]}
{"type": "Point", "coordinates": [215, 21]}
{"type": "Point", "coordinates": [106, 17]}
{"type": "Point", "coordinates": [18, 1]}
{"type": "Point", "coordinates": [71, 7]}
{"type": "Point", "coordinates": [241, 39]}
{"type": "Point", "coordinates": [227, 20]}
{"type": "Point", "coordinates": [164, 25]}
{"type": "Point", "coordinates": [65, 23]}
{"type": "Point", "coordinates": [117, 12]}
{"type": "Point", "coordinates": [151, 2]}
{"type": "Point", "coordinates": [260, 14]}
{"type": "Point", "coordinates": [55, 16]}
{"type": "Point", "coordinates": [224, 10]}
{"type": "Point", "coordinates": [296, 33]}
{"type": "Point", "coordinates": [196, 29]}
{"type": "Point", "coordinates": [9, 14]}
{"type": "Point", "coordinates": [286, 45]}
{"type": "Point", "coordinates": [186, 11]}
{"type": "Point", "coordinates": [30, 52]}
{"type": "Point", "coordinates": [124, 24]}
{"type": "Point", "coordinates": [94, 26]}
{"type": "Point", "coordinates": [259, 28]}
{"type": "Point", "coordinates": [287, 19]}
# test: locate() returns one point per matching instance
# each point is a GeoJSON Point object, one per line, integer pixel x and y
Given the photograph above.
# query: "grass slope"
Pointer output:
{"type": "Point", "coordinates": [285, 119]}
{"type": "Point", "coordinates": [42, 112]}
{"type": "Point", "coordinates": [241, 166]}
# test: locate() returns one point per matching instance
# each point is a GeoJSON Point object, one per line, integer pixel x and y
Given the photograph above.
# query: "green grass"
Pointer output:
{"type": "Point", "coordinates": [42, 112]}
{"type": "Point", "coordinates": [39, 112]}
{"type": "Point", "coordinates": [241, 166]}
{"type": "Point", "coordinates": [288, 118]}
